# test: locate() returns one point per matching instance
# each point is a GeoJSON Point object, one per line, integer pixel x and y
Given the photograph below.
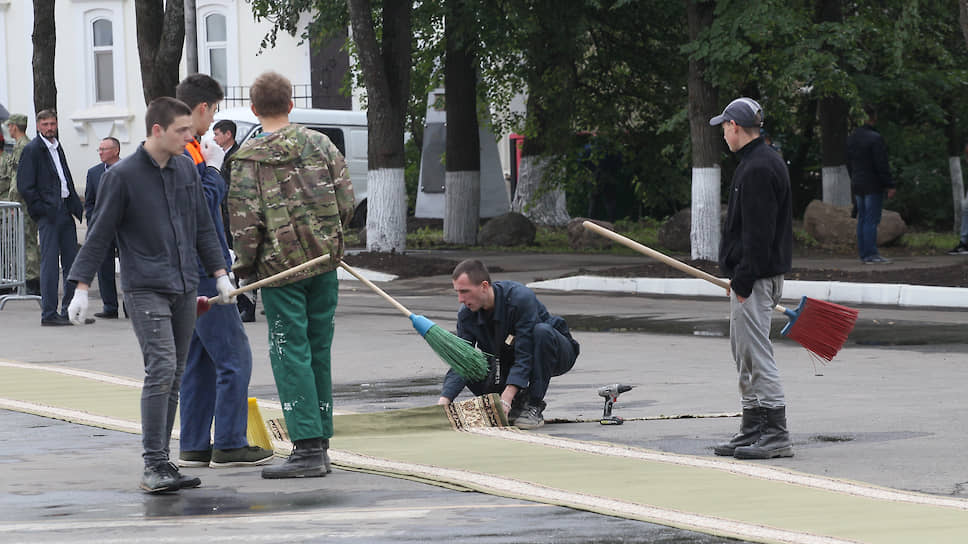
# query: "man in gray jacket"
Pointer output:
{"type": "Point", "coordinates": [152, 203]}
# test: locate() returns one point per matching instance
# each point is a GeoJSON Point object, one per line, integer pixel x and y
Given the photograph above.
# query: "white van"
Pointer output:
{"type": "Point", "coordinates": [346, 129]}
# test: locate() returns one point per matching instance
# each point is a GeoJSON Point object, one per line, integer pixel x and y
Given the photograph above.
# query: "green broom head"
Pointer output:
{"type": "Point", "coordinates": [458, 353]}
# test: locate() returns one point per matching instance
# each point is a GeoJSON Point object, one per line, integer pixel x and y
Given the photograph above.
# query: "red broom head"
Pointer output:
{"type": "Point", "coordinates": [822, 327]}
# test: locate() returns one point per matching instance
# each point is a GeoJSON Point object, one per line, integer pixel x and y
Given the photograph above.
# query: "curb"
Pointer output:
{"type": "Point", "coordinates": [890, 294]}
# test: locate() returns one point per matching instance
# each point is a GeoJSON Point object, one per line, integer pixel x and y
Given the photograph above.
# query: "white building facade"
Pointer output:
{"type": "Point", "coordinates": [98, 74]}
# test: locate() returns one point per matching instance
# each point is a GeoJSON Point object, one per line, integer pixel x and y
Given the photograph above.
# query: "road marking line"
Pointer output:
{"type": "Point", "coordinates": [744, 469]}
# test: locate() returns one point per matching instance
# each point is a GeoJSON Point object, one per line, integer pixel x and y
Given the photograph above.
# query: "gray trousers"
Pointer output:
{"type": "Point", "coordinates": [749, 338]}
{"type": "Point", "coordinates": [163, 324]}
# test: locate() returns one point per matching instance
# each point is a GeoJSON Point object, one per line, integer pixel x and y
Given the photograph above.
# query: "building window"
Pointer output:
{"type": "Point", "coordinates": [103, 49]}
{"type": "Point", "coordinates": [215, 47]}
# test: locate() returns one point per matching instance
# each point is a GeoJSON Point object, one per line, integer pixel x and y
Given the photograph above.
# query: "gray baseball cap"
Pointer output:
{"type": "Point", "coordinates": [742, 111]}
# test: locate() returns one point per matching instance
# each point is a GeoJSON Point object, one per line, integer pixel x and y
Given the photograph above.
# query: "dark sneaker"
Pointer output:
{"type": "Point", "coordinates": [195, 458]}
{"type": "Point", "coordinates": [960, 249]}
{"type": "Point", "coordinates": [531, 417]}
{"type": "Point", "coordinates": [107, 315]}
{"type": "Point", "coordinates": [184, 482]}
{"type": "Point", "coordinates": [518, 403]}
{"type": "Point", "coordinates": [159, 479]}
{"type": "Point", "coordinates": [877, 259]}
{"type": "Point", "coordinates": [241, 457]}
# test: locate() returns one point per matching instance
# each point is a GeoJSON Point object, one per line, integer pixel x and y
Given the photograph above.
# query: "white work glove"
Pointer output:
{"type": "Point", "coordinates": [212, 153]}
{"type": "Point", "coordinates": [77, 310]}
{"type": "Point", "coordinates": [225, 288]}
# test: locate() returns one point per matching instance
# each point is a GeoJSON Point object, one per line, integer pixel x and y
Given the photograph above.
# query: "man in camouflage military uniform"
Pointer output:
{"type": "Point", "coordinates": [289, 201]}
{"type": "Point", "coordinates": [17, 126]}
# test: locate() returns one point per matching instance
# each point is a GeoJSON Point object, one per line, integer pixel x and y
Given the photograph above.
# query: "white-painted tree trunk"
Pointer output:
{"type": "Point", "coordinates": [958, 198]}
{"type": "Point", "coordinates": [706, 230]}
{"type": "Point", "coordinates": [462, 210]}
{"type": "Point", "coordinates": [386, 217]}
{"type": "Point", "coordinates": [546, 209]}
{"type": "Point", "coordinates": [836, 185]}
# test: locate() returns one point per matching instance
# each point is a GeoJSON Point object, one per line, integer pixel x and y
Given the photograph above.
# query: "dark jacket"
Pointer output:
{"type": "Point", "coordinates": [161, 221]}
{"type": "Point", "coordinates": [867, 162]}
{"type": "Point", "coordinates": [39, 184]}
{"type": "Point", "coordinates": [90, 190]}
{"type": "Point", "coordinates": [758, 233]}
{"type": "Point", "coordinates": [516, 311]}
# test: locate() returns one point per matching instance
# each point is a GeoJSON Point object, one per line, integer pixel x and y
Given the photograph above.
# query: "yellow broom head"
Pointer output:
{"type": "Point", "coordinates": [256, 432]}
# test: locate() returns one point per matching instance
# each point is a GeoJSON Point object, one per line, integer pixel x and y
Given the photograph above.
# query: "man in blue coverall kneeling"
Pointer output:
{"type": "Point", "coordinates": [526, 344]}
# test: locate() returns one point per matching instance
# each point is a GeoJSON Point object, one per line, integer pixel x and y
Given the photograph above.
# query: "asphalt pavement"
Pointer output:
{"type": "Point", "coordinates": [885, 412]}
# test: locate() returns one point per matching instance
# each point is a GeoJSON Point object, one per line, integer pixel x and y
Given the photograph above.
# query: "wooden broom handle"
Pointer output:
{"type": "Point", "coordinates": [376, 289]}
{"type": "Point", "coordinates": [275, 277]}
{"type": "Point", "coordinates": [674, 263]}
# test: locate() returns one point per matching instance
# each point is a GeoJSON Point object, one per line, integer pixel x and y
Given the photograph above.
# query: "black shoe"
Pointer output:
{"type": "Point", "coordinates": [246, 309]}
{"type": "Point", "coordinates": [56, 321]}
{"type": "Point", "coordinates": [160, 479]}
{"type": "Point", "coordinates": [960, 249]}
{"type": "Point", "coordinates": [184, 482]}
{"type": "Point", "coordinates": [107, 315]}
{"type": "Point", "coordinates": [33, 287]}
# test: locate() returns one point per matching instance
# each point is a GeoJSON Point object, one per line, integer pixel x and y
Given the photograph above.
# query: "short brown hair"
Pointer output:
{"type": "Point", "coordinates": [271, 94]}
{"type": "Point", "coordinates": [46, 114]}
{"type": "Point", "coordinates": [475, 270]}
{"type": "Point", "coordinates": [163, 110]}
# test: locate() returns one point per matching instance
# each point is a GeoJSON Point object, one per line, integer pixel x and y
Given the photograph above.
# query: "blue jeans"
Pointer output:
{"type": "Point", "coordinates": [216, 380]}
{"type": "Point", "coordinates": [58, 247]}
{"type": "Point", "coordinates": [868, 217]}
{"type": "Point", "coordinates": [163, 324]}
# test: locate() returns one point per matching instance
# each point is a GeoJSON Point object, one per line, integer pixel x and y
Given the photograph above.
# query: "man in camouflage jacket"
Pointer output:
{"type": "Point", "coordinates": [289, 200]}
{"type": "Point", "coordinates": [17, 125]}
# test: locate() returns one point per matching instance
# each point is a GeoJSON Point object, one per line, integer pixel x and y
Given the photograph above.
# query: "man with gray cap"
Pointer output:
{"type": "Point", "coordinates": [17, 127]}
{"type": "Point", "coordinates": [755, 253]}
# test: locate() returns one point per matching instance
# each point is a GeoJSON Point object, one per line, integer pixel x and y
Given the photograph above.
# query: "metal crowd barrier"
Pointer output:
{"type": "Point", "coordinates": [13, 254]}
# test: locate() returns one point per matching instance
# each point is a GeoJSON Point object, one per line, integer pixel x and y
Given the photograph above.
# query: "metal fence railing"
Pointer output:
{"type": "Point", "coordinates": [12, 254]}
{"type": "Point", "coordinates": [237, 96]}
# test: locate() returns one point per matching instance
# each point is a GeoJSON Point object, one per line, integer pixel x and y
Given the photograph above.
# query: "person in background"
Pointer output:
{"type": "Point", "coordinates": [109, 151]}
{"type": "Point", "coordinates": [870, 179]}
{"type": "Point", "coordinates": [45, 183]}
{"type": "Point", "coordinates": [17, 127]}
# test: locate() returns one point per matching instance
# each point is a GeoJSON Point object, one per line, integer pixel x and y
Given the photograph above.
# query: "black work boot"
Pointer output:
{"type": "Point", "coordinates": [307, 461]}
{"type": "Point", "coordinates": [749, 432]}
{"type": "Point", "coordinates": [774, 440]}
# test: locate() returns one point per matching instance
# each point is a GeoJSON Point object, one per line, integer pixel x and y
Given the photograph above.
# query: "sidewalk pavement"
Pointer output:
{"type": "Point", "coordinates": [544, 271]}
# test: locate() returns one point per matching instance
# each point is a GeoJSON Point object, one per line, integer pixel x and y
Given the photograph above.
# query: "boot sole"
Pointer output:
{"type": "Point", "coordinates": [166, 489]}
{"type": "Point", "coordinates": [192, 464]}
{"type": "Point", "coordinates": [315, 474]}
{"type": "Point", "coordinates": [772, 454]}
{"type": "Point", "coordinates": [227, 464]}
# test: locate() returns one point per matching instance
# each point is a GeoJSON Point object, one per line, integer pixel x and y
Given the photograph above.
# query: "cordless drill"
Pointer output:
{"type": "Point", "coordinates": [611, 393]}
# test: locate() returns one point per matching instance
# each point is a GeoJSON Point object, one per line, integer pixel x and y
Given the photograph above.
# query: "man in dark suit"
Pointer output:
{"type": "Point", "coordinates": [109, 151]}
{"type": "Point", "coordinates": [44, 180]}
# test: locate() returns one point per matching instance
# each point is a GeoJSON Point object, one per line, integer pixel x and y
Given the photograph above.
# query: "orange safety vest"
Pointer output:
{"type": "Point", "coordinates": [195, 150]}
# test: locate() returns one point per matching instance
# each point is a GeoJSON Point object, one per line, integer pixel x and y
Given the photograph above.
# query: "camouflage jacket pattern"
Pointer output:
{"type": "Point", "coordinates": [290, 199]}
{"type": "Point", "coordinates": [8, 172]}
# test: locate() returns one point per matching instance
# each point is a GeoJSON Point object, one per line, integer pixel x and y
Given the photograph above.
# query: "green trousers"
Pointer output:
{"type": "Point", "coordinates": [300, 317]}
